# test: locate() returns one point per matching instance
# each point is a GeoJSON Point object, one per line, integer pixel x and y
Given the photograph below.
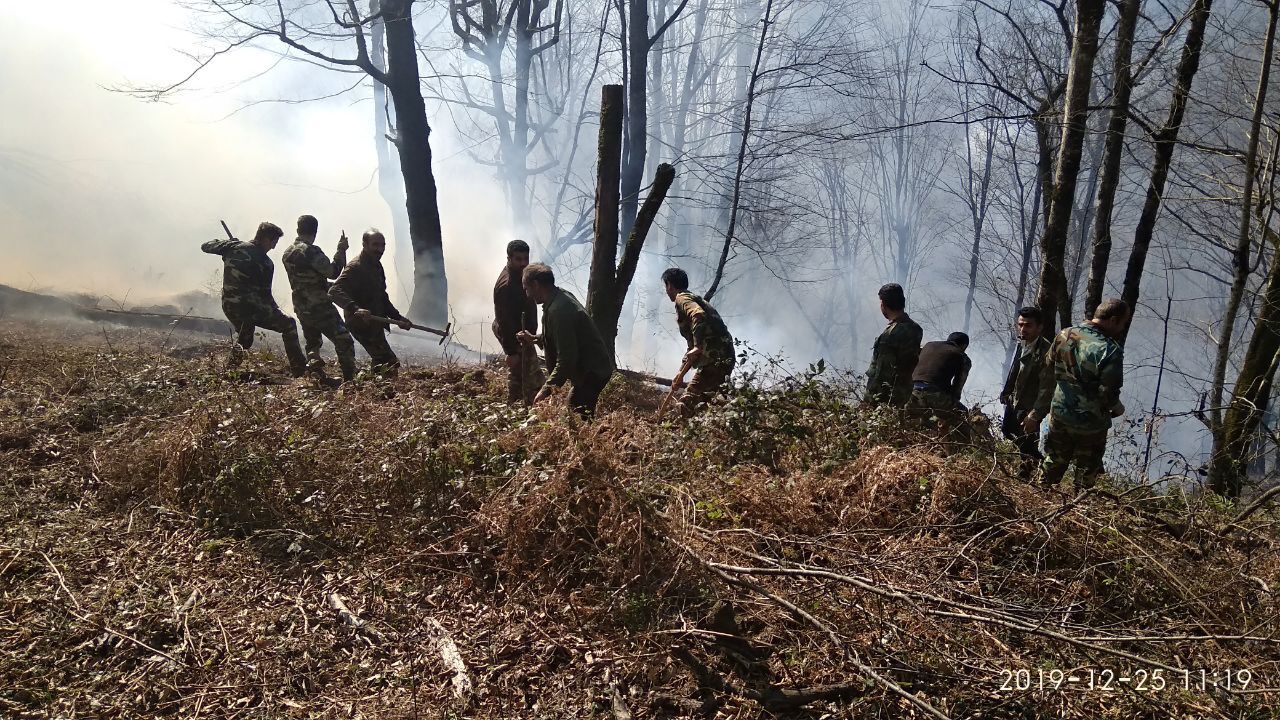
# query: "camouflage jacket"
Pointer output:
{"type": "Point", "coordinates": [702, 328]}
{"type": "Point", "coordinates": [893, 360]}
{"type": "Point", "coordinates": [309, 272]}
{"type": "Point", "coordinates": [246, 274]}
{"type": "Point", "coordinates": [362, 285]}
{"type": "Point", "coordinates": [573, 345]}
{"type": "Point", "coordinates": [1080, 386]}
{"type": "Point", "coordinates": [1022, 384]}
{"type": "Point", "coordinates": [512, 311]}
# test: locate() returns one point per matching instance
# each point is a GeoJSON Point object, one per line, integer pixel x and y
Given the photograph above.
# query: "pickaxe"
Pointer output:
{"type": "Point", "coordinates": [675, 383]}
{"type": "Point", "coordinates": [442, 333]}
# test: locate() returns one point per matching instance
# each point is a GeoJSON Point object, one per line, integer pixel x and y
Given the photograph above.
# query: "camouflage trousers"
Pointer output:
{"type": "Point", "coordinates": [526, 378]}
{"type": "Point", "coordinates": [1064, 447]}
{"type": "Point", "coordinates": [316, 326]}
{"type": "Point", "coordinates": [706, 382]}
{"type": "Point", "coordinates": [374, 341]}
{"type": "Point", "coordinates": [246, 319]}
{"type": "Point", "coordinates": [926, 405]}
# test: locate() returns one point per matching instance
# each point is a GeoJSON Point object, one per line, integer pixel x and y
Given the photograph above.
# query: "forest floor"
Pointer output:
{"type": "Point", "coordinates": [180, 539]}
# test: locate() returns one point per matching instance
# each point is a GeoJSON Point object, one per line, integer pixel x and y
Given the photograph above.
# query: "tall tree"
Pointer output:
{"type": "Point", "coordinates": [390, 184]}
{"type": "Point", "coordinates": [1075, 114]}
{"type": "Point", "coordinates": [639, 43]}
{"type": "Point", "coordinates": [1165, 140]}
{"type": "Point", "coordinates": [487, 28]}
{"type": "Point", "coordinates": [743, 144]}
{"type": "Point", "coordinates": [1232, 434]}
{"type": "Point", "coordinates": [1122, 90]}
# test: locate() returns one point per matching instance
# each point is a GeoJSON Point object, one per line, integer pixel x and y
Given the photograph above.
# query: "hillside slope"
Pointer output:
{"type": "Point", "coordinates": [180, 540]}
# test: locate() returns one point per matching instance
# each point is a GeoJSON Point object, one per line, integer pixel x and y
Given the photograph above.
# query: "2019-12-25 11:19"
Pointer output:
{"type": "Point", "coordinates": [1141, 679]}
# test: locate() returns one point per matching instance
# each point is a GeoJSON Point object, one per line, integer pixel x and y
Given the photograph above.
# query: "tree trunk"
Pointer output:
{"type": "Point", "coordinates": [430, 303]}
{"type": "Point", "coordinates": [601, 291]}
{"type": "Point", "coordinates": [390, 183]}
{"type": "Point", "coordinates": [1242, 264]}
{"type": "Point", "coordinates": [1166, 140]}
{"type": "Point", "coordinates": [1229, 462]}
{"type": "Point", "coordinates": [664, 175]}
{"type": "Point", "coordinates": [1083, 219]}
{"type": "Point", "coordinates": [1112, 155]}
{"type": "Point", "coordinates": [1227, 465]}
{"type": "Point", "coordinates": [637, 111]}
{"type": "Point", "coordinates": [518, 166]}
{"type": "Point", "coordinates": [978, 205]}
{"type": "Point", "coordinates": [1075, 114]}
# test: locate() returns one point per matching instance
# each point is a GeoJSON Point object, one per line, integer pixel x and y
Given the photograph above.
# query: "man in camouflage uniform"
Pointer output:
{"type": "Point", "coordinates": [939, 378]}
{"type": "Point", "coordinates": [896, 351]}
{"type": "Point", "coordinates": [710, 346]}
{"type": "Point", "coordinates": [1022, 388]}
{"type": "Point", "coordinates": [246, 294]}
{"type": "Point", "coordinates": [514, 311]}
{"type": "Point", "coordinates": [309, 272]}
{"type": "Point", "coordinates": [361, 291]}
{"type": "Point", "coordinates": [575, 350]}
{"type": "Point", "coordinates": [1080, 391]}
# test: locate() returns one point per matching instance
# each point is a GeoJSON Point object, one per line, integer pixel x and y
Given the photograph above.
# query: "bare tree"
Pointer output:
{"type": "Point", "coordinates": [639, 45]}
{"type": "Point", "coordinates": [1122, 90]}
{"type": "Point", "coordinates": [487, 29]}
{"type": "Point", "coordinates": [1165, 140]}
{"type": "Point", "coordinates": [906, 158]}
{"type": "Point", "coordinates": [727, 245]}
{"type": "Point", "coordinates": [1075, 113]}
{"type": "Point", "coordinates": [1257, 373]}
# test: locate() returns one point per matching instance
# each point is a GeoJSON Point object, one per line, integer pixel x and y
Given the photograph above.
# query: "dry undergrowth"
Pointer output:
{"type": "Point", "coordinates": [173, 536]}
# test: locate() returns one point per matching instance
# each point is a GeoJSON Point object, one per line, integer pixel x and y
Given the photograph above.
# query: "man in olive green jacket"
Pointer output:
{"type": "Point", "coordinates": [1022, 388]}
{"type": "Point", "coordinates": [575, 351]}
{"type": "Point", "coordinates": [896, 351]}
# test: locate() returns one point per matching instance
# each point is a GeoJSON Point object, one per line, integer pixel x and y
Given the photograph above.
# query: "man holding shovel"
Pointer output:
{"type": "Point", "coordinates": [361, 292]}
{"type": "Point", "coordinates": [514, 311]}
{"type": "Point", "coordinates": [710, 346]}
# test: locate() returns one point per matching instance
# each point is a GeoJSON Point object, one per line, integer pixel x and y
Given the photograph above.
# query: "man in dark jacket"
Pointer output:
{"type": "Point", "coordinates": [361, 292]}
{"type": "Point", "coordinates": [575, 351]}
{"type": "Point", "coordinates": [896, 350]}
{"type": "Point", "coordinates": [514, 311]}
{"type": "Point", "coordinates": [936, 384]}
{"type": "Point", "coordinates": [1022, 387]}
{"type": "Point", "coordinates": [940, 374]}
{"type": "Point", "coordinates": [246, 294]}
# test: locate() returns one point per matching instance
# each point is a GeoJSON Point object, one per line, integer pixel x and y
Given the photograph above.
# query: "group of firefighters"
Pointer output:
{"type": "Point", "coordinates": [1073, 381]}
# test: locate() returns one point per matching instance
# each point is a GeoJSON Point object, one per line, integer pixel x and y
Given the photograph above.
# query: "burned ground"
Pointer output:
{"type": "Point", "coordinates": [176, 538]}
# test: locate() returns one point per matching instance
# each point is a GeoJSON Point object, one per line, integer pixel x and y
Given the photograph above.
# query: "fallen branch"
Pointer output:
{"type": "Point", "coordinates": [620, 709]}
{"type": "Point", "coordinates": [452, 659]}
{"type": "Point", "coordinates": [826, 629]}
{"type": "Point", "coordinates": [366, 633]}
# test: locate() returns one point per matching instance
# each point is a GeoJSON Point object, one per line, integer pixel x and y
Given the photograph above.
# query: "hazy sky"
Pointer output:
{"type": "Point", "coordinates": [101, 192]}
